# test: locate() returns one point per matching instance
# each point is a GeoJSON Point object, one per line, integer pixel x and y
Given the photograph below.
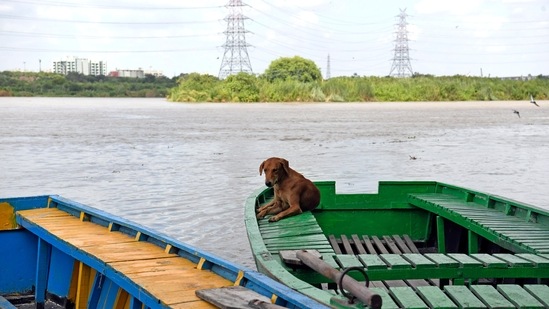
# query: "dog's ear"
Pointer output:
{"type": "Point", "coordinates": [285, 166]}
{"type": "Point", "coordinates": [261, 168]}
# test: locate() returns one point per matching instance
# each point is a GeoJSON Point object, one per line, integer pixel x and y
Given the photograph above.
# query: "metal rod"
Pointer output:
{"type": "Point", "coordinates": [358, 290]}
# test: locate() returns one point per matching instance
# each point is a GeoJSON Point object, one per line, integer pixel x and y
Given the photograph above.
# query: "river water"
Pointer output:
{"type": "Point", "coordinates": [186, 169]}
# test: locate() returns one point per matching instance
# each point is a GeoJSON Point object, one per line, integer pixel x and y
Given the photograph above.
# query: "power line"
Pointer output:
{"type": "Point", "coordinates": [103, 6]}
{"type": "Point", "coordinates": [17, 17]}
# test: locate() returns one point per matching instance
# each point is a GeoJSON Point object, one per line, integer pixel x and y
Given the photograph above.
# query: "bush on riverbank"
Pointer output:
{"type": "Point", "coordinates": [78, 85]}
{"type": "Point", "coordinates": [249, 88]}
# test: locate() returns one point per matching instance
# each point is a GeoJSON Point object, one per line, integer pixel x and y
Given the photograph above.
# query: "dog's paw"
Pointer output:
{"type": "Point", "coordinates": [274, 219]}
{"type": "Point", "coordinates": [260, 216]}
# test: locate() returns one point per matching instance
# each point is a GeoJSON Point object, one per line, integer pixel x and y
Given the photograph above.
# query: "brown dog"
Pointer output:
{"type": "Point", "coordinates": [294, 193]}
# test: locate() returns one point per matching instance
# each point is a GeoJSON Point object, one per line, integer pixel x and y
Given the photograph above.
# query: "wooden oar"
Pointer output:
{"type": "Point", "coordinates": [357, 289]}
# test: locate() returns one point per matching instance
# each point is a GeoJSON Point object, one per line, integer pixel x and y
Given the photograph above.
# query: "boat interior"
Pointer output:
{"type": "Point", "coordinates": [430, 245]}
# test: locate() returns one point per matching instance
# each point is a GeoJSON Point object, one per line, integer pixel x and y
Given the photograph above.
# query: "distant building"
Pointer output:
{"type": "Point", "coordinates": [80, 65]}
{"type": "Point", "coordinates": [156, 73]}
{"type": "Point", "coordinates": [139, 73]}
{"type": "Point", "coordinates": [128, 73]}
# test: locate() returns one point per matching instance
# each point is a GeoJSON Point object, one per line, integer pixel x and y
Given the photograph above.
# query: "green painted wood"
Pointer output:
{"type": "Point", "coordinates": [386, 299]}
{"type": "Point", "coordinates": [442, 260]}
{"type": "Point", "coordinates": [441, 236]}
{"type": "Point", "coordinates": [463, 297]}
{"type": "Point", "coordinates": [538, 260]}
{"type": "Point", "coordinates": [490, 223]}
{"type": "Point", "coordinates": [519, 296]}
{"type": "Point", "coordinates": [407, 298]}
{"type": "Point", "coordinates": [540, 291]}
{"type": "Point", "coordinates": [473, 240]}
{"type": "Point", "coordinates": [294, 233]}
{"type": "Point", "coordinates": [465, 260]}
{"type": "Point", "coordinates": [330, 260]}
{"type": "Point", "coordinates": [490, 296]}
{"type": "Point", "coordinates": [435, 298]}
{"type": "Point", "coordinates": [373, 261]}
{"type": "Point", "coordinates": [395, 261]}
{"type": "Point", "coordinates": [489, 260]}
{"type": "Point", "coordinates": [348, 260]}
{"type": "Point", "coordinates": [402, 244]}
{"type": "Point", "coordinates": [301, 238]}
{"type": "Point", "coordinates": [513, 260]}
{"type": "Point", "coordinates": [418, 260]}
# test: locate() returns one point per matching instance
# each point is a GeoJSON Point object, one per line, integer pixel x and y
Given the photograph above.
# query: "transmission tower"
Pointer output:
{"type": "Point", "coordinates": [401, 61]}
{"type": "Point", "coordinates": [235, 57]}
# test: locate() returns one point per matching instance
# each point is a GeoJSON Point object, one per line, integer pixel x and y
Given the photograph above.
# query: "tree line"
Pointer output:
{"type": "Point", "coordinates": [287, 79]}
{"type": "Point", "coordinates": [299, 80]}
{"type": "Point", "coordinates": [74, 84]}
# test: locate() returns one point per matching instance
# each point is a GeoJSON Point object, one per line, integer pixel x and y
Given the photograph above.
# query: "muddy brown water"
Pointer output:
{"type": "Point", "coordinates": [186, 169]}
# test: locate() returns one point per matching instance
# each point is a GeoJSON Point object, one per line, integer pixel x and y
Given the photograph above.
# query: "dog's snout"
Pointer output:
{"type": "Point", "coordinates": [268, 184]}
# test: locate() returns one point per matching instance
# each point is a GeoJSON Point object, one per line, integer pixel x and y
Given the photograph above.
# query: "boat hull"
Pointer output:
{"type": "Point", "coordinates": [414, 241]}
{"type": "Point", "coordinates": [57, 251]}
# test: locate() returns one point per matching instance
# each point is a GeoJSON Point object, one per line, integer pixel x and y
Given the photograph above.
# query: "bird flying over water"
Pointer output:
{"type": "Point", "coordinates": [533, 101]}
{"type": "Point", "coordinates": [516, 112]}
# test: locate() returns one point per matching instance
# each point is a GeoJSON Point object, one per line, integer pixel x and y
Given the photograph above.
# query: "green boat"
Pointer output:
{"type": "Point", "coordinates": [413, 244]}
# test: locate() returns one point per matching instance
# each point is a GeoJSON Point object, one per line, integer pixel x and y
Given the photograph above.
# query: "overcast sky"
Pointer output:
{"type": "Point", "coordinates": [446, 37]}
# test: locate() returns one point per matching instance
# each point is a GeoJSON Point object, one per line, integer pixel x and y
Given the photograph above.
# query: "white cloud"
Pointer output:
{"type": "Point", "coordinates": [454, 7]}
{"type": "Point", "coordinates": [305, 19]}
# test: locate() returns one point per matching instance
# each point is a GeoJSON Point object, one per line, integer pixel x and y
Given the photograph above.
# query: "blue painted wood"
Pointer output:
{"type": "Point", "coordinates": [27, 202]}
{"type": "Point", "coordinates": [109, 292]}
{"type": "Point", "coordinates": [5, 304]}
{"type": "Point", "coordinates": [60, 275]}
{"type": "Point", "coordinates": [42, 271]}
{"type": "Point", "coordinates": [18, 250]}
{"type": "Point", "coordinates": [135, 303]}
{"type": "Point", "coordinates": [141, 298]}
{"type": "Point", "coordinates": [96, 290]}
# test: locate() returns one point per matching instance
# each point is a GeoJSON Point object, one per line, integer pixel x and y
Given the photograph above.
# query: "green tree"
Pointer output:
{"type": "Point", "coordinates": [198, 82]}
{"type": "Point", "coordinates": [242, 87]}
{"type": "Point", "coordinates": [296, 68]}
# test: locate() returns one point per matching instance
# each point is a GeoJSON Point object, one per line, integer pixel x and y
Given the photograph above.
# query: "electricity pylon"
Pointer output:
{"type": "Point", "coordinates": [235, 57]}
{"type": "Point", "coordinates": [401, 61]}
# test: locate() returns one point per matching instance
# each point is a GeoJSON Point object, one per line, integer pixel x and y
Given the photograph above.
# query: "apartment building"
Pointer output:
{"type": "Point", "coordinates": [80, 65]}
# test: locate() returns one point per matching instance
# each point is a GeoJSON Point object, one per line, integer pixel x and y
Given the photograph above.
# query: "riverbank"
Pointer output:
{"type": "Point", "coordinates": [32, 84]}
{"type": "Point", "coordinates": [248, 88]}
{"type": "Point", "coordinates": [243, 87]}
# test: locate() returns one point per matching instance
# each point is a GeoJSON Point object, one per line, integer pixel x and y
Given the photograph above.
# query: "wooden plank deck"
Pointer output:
{"type": "Point", "coordinates": [494, 225]}
{"type": "Point", "coordinates": [167, 276]}
{"type": "Point", "coordinates": [294, 233]}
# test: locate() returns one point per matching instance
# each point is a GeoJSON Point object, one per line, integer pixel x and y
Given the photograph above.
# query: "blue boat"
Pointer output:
{"type": "Point", "coordinates": [57, 253]}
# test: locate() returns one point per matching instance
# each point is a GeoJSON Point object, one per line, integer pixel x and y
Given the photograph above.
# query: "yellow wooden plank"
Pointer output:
{"type": "Point", "coordinates": [193, 305]}
{"type": "Point", "coordinates": [83, 288]}
{"type": "Point", "coordinates": [160, 264]}
{"type": "Point", "coordinates": [169, 277]}
{"type": "Point", "coordinates": [74, 282]}
{"type": "Point", "coordinates": [178, 297]}
{"type": "Point", "coordinates": [121, 299]}
{"type": "Point", "coordinates": [127, 251]}
{"type": "Point", "coordinates": [43, 213]}
{"type": "Point", "coordinates": [7, 217]}
{"type": "Point", "coordinates": [175, 287]}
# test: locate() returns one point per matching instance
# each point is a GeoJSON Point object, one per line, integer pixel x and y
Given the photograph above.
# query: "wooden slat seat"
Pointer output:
{"type": "Point", "coordinates": [409, 266]}
{"type": "Point", "coordinates": [447, 266]}
{"type": "Point", "coordinates": [158, 271]}
{"type": "Point", "coordinates": [511, 232]}
{"type": "Point", "coordinates": [295, 233]}
{"type": "Point", "coordinates": [460, 296]}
